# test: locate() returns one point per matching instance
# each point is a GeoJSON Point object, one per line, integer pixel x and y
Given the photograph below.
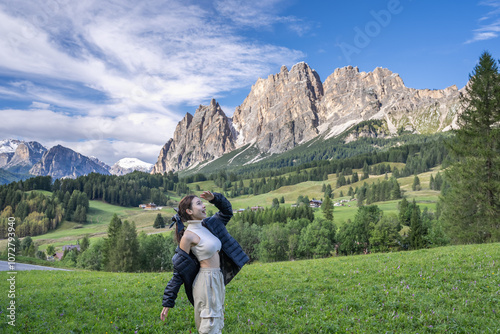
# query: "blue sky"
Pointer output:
{"type": "Point", "coordinates": [113, 78]}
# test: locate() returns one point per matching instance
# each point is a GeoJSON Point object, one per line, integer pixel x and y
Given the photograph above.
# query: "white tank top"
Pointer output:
{"type": "Point", "coordinates": [209, 244]}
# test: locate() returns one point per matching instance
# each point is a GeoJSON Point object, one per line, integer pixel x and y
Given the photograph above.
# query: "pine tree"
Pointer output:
{"type": "Point", "coordinates": [404, 212]}
{"type": "Point", "coordinates": [328, 191]}
{"type": "Point", "coordinates": [51, 250]}
{"type": "Point", "coordinates": [85, 243]}
{"type": "Point", "coordinates": [361, 196]}
{"type": "Point", "coordinates": [327, 207]}
{"type": "Point", "coordinates": [276, 203]}
{"type": "Point", "coordinates": [80, 215]}
{"type": "Point", "coordinates": [114, 229]}
{"type": "Point", "coordinates": [417, 230]}
{"type": "Point", "coordinates": [366, 171]}
{"type": "Point", "coordinates": [416, 184]}
{"type": "Point", "coordinates": [125, 256]}
{"type": "Point", "coordinates": [355, 177]}
{"type": "Point", "coordinates": [159, 222]}
{"type": "Point", "coordinates": [471, 205]}
{"type": "Point", "coordinates": [438, 181]}
{"type": "Point", "coordinates": [395, 192]}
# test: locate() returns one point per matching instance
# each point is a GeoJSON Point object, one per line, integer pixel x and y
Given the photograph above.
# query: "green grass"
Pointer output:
{"type": "Point", "coordinates": [450, 289]}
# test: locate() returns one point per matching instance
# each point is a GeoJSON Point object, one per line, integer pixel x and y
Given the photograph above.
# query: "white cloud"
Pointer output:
{"type": "Point", "coordinates": [482, 36]}
{"type": "Point", "coordinates": [39, 105]}
{"type": "Point", "coordinates": [260, 14]}
{"type": "Point", "coordinates": [489, 29]}
{"type": "Point", "coordinates": [113, 150]}
{"type": "Point", "coordinates": [143, 133]}
{"type": "Point", "coordinates": [257, 13]}
{"type": "Point", "coordinates": [118, 72]}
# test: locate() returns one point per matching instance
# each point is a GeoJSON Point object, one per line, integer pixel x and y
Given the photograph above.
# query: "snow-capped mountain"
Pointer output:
{"type": "Point", "coordinates": [9, 145]}
{"type": "Point", "coordinates": [128, 165]}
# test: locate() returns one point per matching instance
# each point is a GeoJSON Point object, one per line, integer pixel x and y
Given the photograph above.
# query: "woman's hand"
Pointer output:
{"type": "Point", "coordinates": [164, 313]}
{"type": "Point", "coordinates": [207, 195]}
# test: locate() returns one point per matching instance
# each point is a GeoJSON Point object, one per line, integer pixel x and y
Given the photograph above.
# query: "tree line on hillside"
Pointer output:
{"type": "Point", "coordinates": [36, 213]}
{"type": "Point", "coordinates": [335, 148]}
{"type": "Point", "coordinates": [418, 158]}
{"type": "Point", "coordinates": [379, 191]}
{"type": "Point", "coordinates": [128, 190]}
{"type": "Point", "coordinates": [122, 251]}
{"type": "Point", "coordinates": [70, 197]}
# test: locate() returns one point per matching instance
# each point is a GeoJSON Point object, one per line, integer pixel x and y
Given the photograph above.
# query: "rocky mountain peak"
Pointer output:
{"type": "Point", "coordinates": [293, 106]}
{"type": "Point", "coordinates": [352, 96]}
{"type": "Point", "coordinates": [62, 162]}
{"type": "Point", "coordinates": [19, 156]}
{"type": "Point", "coordinates": [204, 136]}
{"type": "Point", "coordinates": [280, 111]}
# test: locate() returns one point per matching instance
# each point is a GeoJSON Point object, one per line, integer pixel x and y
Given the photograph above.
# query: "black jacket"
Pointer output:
{"type": "Point", "coordinates": [186, 266]}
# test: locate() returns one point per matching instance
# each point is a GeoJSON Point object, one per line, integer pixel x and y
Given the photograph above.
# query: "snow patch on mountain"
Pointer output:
{"type": "Point", "coordinates": [9, 145]}
{"type": "Point", "coordinates": [128, 165]}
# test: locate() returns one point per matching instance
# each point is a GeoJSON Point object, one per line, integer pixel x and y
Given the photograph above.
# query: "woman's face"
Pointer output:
{"type": "Point", "coordinates": [198, 210]}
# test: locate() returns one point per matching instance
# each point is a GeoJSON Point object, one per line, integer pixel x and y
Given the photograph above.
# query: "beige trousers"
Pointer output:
{"type": "Point", "coordinates": [209, 294]}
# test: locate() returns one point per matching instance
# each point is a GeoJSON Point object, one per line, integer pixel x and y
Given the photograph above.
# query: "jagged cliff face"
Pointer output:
{"type": "Point", "coordinates": [352, 96]}
{"type": "Point", "coordinates": [204, 136]}
{"type": "Point", "coordinates": [21, 156]}
{"type": "Point", "coordinates": [62, 162]}
{"type": "Point", "coordinates": [292, 107]}
{"type": "Point", "coordinates": [281, 111]}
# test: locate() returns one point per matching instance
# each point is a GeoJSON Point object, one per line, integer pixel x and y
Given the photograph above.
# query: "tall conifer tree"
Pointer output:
{"type": "Point", "coordinates": [327, 207]}
{"type": "Point", "coordinates": [114, 228]}
{"type": "Point", "coordinates": [471, 206]}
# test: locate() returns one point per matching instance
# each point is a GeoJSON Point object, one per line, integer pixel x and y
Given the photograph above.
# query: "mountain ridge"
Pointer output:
{"type": "Point", "coordinates": [62, 162]}
{"type": "Point", "coordinates": [292, 107]}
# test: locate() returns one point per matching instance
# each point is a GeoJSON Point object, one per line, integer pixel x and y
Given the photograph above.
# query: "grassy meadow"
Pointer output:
{"type": "Point", "coordinates": [442, 290]}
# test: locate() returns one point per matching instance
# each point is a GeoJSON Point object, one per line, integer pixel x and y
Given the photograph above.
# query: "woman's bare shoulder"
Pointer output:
{"type": "Point", "coordinates": [190, 237]}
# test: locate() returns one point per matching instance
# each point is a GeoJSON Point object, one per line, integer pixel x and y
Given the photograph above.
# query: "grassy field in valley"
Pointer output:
{"type": "Point", "coordinates": [100, 213]}
{"type": "Point", "coordinates": [451, 289]}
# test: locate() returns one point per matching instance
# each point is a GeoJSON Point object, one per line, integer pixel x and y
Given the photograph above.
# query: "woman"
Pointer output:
{"type": "Point", "coordinates": [206, 260]}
